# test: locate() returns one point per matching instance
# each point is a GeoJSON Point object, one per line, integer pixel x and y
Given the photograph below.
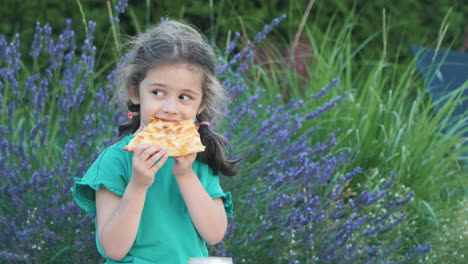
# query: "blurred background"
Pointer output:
{"type": "Point", "coordinates": [409, 22]}
{"type": "Point", "coordinates": [350, 115]}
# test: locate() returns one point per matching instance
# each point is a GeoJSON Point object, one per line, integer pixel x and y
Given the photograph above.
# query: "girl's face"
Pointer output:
{"type": "Point", "coordinates": [170, 92]}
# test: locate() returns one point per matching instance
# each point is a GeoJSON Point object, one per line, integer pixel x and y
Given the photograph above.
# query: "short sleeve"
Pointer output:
{"type": "Point", "coordinates": [108, 171]}
{"type": "Point", "coordinates": [211, 183]}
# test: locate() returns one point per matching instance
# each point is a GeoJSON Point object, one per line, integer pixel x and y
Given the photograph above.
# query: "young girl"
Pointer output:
{"type": "Point", "coordinates": [150, 208]}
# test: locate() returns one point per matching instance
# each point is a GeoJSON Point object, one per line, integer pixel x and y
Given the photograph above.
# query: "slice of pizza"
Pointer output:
{"type": "Point", "coordinates": [179, 137]}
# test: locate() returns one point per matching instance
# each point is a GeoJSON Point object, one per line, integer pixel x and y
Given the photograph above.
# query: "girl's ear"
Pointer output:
{"type": "Point", "coordinates": [133, 94]}
{"type": "Point", "coordinates": [201, 108]}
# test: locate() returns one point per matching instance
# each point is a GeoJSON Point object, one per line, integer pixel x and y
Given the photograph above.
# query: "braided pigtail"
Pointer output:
{"type": "Point", "coordinates": [134, 124]}
{"type": "Point", "coordinates": [214, 154]}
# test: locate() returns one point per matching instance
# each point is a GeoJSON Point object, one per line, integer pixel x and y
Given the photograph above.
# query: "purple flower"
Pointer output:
{"type": "Point", "coordinates": [327, 88]}
{"type": "Point", "coordinates": [261, 35]}
{"type": "Point", "coordinates": [325, 107]}
{"type": "Point", "coordinates": [3, 47]}
{"type": "Point", "coordinates": [232, 45]}
{"type": "Point", "coordinates": [37, 43]}
{"type": "Point", "coordinates": [13, 56]}
{"type": "Point", "coordinates": [121, 6]}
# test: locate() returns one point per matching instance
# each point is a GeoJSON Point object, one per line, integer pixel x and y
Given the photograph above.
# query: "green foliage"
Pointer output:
{"type": "Point", "coordinates": [450, 237]}
{"type": "Point", "coordinates": [387, 118]}
{"type": "Point", "coordinates": [388, 114]}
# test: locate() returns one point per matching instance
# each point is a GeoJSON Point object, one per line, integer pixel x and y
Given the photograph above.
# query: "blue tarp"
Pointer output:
{"type": "Point", "coordinates": [443, 72]}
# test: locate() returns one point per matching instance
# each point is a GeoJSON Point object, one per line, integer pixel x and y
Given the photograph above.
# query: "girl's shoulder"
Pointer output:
{"type": "Point", "coordinates": [121, 143]}
{"type": "Point", "coordinates": [203, 170]}
{"type": "Point", "coordinates": [114, 153]}
{"type": "Point", "coordinates": [112, 170]}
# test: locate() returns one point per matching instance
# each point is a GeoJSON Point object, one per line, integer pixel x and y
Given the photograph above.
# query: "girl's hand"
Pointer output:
{"type": "Point", "coordinates": [183, 165]}
{"type": "Point", "coordinates": [147, 160]}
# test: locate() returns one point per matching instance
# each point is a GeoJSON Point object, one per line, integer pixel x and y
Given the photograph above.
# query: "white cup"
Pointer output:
{"type": "Point", "coordinates": [210, 260]}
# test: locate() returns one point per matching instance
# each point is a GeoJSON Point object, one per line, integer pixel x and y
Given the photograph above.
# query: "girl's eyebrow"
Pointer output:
{"type": "Point", "coordinates": [186, 90]}
{"type": "Point", "coordinates": [156, 84]}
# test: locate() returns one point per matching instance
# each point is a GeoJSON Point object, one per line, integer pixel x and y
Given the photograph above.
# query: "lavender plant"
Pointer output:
{"type": "Point", "coordinates": [295, 206]}
{"type": "Point", "coordinates": [46, 140]}
{"type": "Point", "coordinates": [293, 200]}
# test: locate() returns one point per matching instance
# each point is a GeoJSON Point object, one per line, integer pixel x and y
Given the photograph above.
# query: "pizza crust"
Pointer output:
{"type": "Point", "coordinates": [180, 138]}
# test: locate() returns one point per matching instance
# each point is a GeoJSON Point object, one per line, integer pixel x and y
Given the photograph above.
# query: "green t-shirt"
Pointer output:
{"type": "Point", "coordinates": [166, 234]}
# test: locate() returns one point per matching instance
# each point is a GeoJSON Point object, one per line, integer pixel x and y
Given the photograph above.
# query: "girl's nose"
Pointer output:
{"type": "Point", "coordinates": [170, 106]}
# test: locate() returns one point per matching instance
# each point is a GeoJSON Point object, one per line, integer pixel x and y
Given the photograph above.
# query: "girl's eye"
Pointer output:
{"type": "Point", "coordinates": [184, 97]}
{"type": "Point", "coordinates": [158, 93]}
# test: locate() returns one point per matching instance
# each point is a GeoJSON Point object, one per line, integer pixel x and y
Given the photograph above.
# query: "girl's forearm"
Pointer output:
{"type": "Point", "coordinates": [207, 215]}
{"type": "Point", "coordinates": [119, 232]}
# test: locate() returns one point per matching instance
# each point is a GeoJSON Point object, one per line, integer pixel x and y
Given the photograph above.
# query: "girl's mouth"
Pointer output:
{"type": "Point", "coordinates": [167, 119]}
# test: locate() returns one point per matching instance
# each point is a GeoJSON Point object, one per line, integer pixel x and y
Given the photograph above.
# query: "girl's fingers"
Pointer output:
{"type": "Point", "coordinates": [148, 152]}
{"type": "Point", "coordinates": [150, 157]}
{"type": "Point", "coordinates": [155, 157]}
{"type": "Point", "coordinates": [139, 149]}
{"type": "Point", "coordinates": [187, 158]}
